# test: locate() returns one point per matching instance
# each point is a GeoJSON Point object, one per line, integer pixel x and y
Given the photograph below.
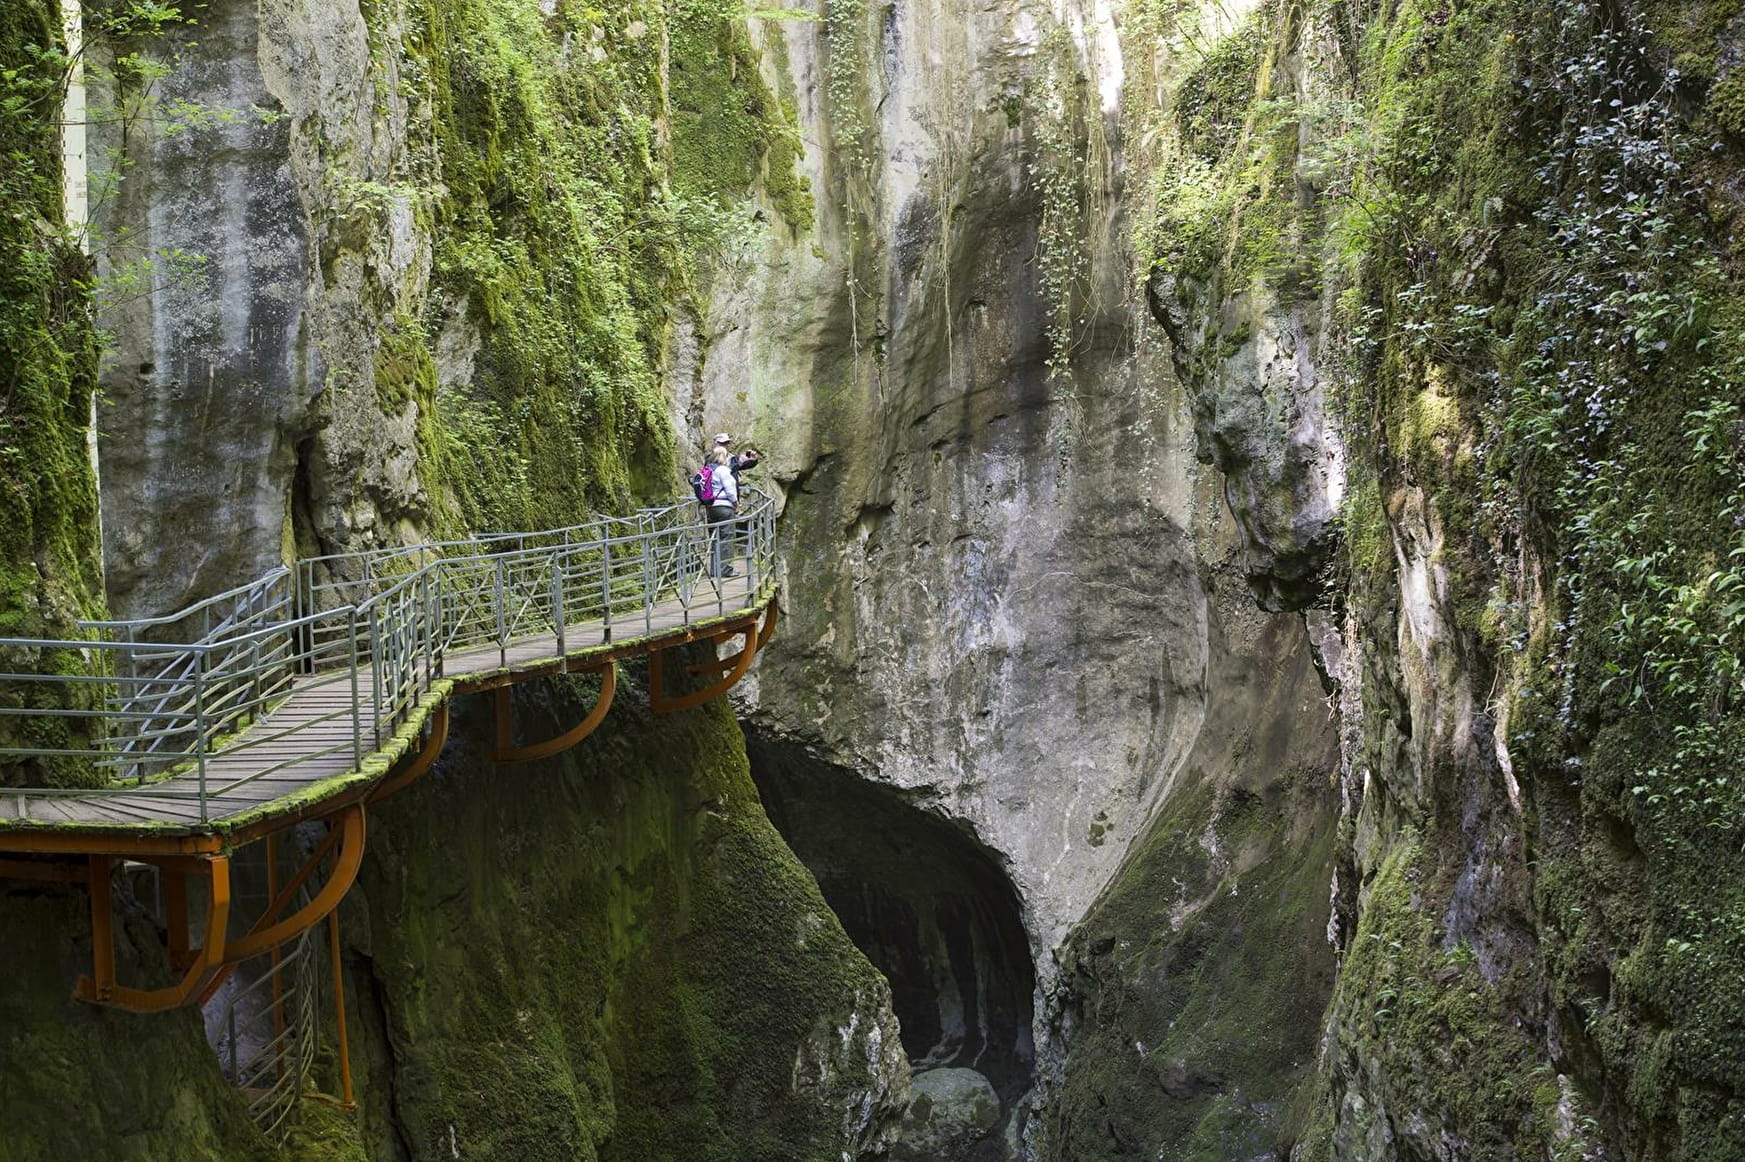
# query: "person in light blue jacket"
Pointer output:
{"type": "Point", "coordinates": [722, 505]}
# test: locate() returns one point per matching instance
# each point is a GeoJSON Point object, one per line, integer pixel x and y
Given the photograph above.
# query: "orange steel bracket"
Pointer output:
{"type": "Point", "coordinates": [347, 831]}
{"type": "Point", "coordinates": [174, 879]}
{"type": "Point", "coordinates": [507, 752]}
{"type": "Point", "coordinates": [264, 936]}
{"type": "Point", "coordinates": [769, 624]}
{"type": "Point", "coordinates": [347, 1098]}
{"type": "Point", "coordinates": [100, 987]}
{"type": "Point", "coordinates": [721, 665]}
{"type": "Point", "coordinates": [660, 703]}
{"type": "Point", "coordinates": [206, 968]}
{"type": "Point", "coordinates": [420, 764]}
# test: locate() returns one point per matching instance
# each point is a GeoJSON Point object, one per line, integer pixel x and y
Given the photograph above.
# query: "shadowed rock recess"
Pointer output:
{"type": "Point", "coordinates": [934, 913]}
{"type": "Point", "coordinates": [1261, 672]}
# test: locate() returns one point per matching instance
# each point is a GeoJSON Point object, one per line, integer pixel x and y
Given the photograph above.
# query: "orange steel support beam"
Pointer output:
{"type": "Point", "coordinates": [174, 879]}
{"type": "Point", "coordinates": [40, 841]}
{"type": "Point", "coordinates": [720, 665]}
{"type": "Point", "coordinates": [100, 986]}
{"type": "Point", "coordinates": [275, 908]}
{"type": "Point", "coordinates": [102, 979]}
{"type": "Point", "coordinates": [506, 750]}
{"type": "Point", "coordinates": [347, 1099]}
{"type": "Point", "coordinates": [272, 846]}
{"type": "Point", "coordinates": [420, 764]}
{"type": "Point", "coordinates": [205, 969]}
{"type": "Point", "coordinates": [660, 703]}
{"type": "Point", "coordinates": [770, 617]}
{"type": "Point", "coordinates": [351, 856]}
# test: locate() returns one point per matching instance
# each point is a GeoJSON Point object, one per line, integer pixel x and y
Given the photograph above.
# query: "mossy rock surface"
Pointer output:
{"type": "Point", "coordinates": [607, 955]}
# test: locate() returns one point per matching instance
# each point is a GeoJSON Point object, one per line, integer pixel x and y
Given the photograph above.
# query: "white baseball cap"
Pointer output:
{"type": "Point", "coordinates": [724, 438]}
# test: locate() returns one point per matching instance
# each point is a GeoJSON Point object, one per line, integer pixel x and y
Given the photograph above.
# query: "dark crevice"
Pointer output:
{"type": "Point", "coordinates": [926, 903]}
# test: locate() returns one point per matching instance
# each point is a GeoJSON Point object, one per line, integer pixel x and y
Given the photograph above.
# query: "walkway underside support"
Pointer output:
{"type": "Point", "coordinates": [722, 665]}
{"type": "Point", "coordinates": [735, 667]}
{"type": "Point", "coordinates": [101, 987]}
{"type": "Point", "coordinates": [421, 762]}
{"type": "Point", "coordinates": [507, 752]}
{"type": "Point", "coordinates": [204, 969]}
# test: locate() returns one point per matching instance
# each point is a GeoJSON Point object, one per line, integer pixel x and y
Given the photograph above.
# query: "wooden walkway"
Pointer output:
{"type": "Point", "coordinates": [304, 752]}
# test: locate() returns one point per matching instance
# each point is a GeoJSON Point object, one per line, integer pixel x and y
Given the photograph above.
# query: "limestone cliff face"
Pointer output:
{"type": "Point", "coordinates": [1443, 211]}
{"type": "Point", "coordinates": [1442, 294]}
{"type": "Point", "coordinates": [999, 577]}
{"type": "Point", "coordinates": [1013, 594]}
{"type": "Point", "coordinates": [374, 283]}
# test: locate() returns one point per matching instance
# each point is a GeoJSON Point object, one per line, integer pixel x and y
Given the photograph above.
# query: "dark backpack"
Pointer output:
{"type": "Point", "coordinates": [703, 484]}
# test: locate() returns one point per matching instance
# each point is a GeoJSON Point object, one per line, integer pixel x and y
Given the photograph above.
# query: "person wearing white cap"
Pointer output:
{"type": "Point", "coordinates": [735, 461]}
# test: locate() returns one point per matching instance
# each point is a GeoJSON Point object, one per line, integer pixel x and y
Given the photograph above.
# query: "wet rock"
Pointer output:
{"type": "Point", "coordinates": [951, 1111]}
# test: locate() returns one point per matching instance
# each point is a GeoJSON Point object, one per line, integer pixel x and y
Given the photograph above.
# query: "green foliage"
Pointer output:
{"type": "Point", "coordinates": [566, 227]}
{"type": "Point", "coordinates": [1446, 1033]}
{"type": "Point", "coordinates": [1526, 218]}
{"type": "Point", "coordinates": [1191, 1030]}
{"type": "Point", "coordinates": [50, 575]}
{"type": "Point", "coordinates": [1231, 204]}
{"type": "Point", "coordinates": [1063, 169]}
{"type": "Point", "coordinates": [1545, 338]}
{"type": "Point", "coordinates": [730, 135]}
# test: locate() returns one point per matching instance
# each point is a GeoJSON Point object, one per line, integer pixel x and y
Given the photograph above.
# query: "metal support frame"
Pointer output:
{"type": "Point", "coordinates": [507, 752]}
{"type": "Point", "coordinates": [102, 988]}
{"type": "Point", "coordinates": [204, 968]}
{"type": "Point", "coordinates": [662, 703]}
{"type": "Point", "coordinates": [421, 762]}
{"type": "Point", "coordinates": [347, 1098]}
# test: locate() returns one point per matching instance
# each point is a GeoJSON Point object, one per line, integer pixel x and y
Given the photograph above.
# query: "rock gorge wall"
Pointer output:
{"type": "Point", "coordinates": [1447, 299]}
{"type": "Point", "coordinates": [412, 266]}
{"type": "Point", "coordinates": [1015, 597]}
{"type": "Point", "coordinates": [1132, 374]}
{"type": "Point", "coordinates": [1498, 247]}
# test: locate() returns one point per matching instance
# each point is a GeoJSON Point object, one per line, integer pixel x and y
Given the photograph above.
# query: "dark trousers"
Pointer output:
{"type": "Point", "coordinates": [720, 537]}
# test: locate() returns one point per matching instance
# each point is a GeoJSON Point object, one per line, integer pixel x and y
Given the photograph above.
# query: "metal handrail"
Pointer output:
{"type": "Point", "coordinates": [151, 716]}
{"type": "Point", "coordinates": [266, 1041]}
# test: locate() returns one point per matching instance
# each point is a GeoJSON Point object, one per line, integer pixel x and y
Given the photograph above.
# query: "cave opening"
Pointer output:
{"type": "Point", "coordinates": [927, 904]}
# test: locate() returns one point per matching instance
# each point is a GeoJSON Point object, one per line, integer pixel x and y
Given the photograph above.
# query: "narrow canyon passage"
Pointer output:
{"type": "Point", "coordinates": [1238, 648]}
{"type": "Point", "coordinates": [925, 902]}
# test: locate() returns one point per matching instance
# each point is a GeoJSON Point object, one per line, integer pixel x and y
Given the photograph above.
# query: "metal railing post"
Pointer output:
{"type": "Point", "coordinates": [647, 583]}
{"type": "Point", "coordinates": [200, 725]}
{"type": "Point", "coordinates": [502, 615]}
{"type": "Point", "coordinates": [254, 667]}
{"type": "Point", "coordinates": [376, 675]}
{"type": "Point", "coordinates": [357, 731]}
{"type": "Point", "coordinates": [429, 629]}
{"type": "Point", "coordinates": [557, 599]}
{"type": "Point", "coordinates": [439, 620]}
{"type": "Point", "coordinates": [606, 584]}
